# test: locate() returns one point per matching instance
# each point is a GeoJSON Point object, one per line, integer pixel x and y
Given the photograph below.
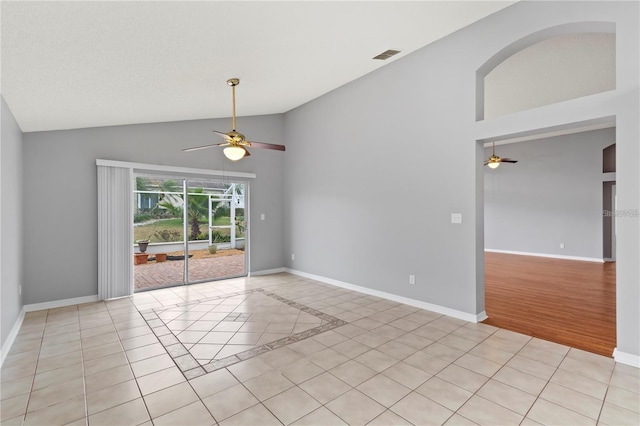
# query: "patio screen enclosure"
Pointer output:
{"type": "Point", "coordinates": [187, 230]}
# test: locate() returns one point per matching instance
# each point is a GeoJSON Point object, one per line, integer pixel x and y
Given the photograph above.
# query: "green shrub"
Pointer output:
{"type": "Point", "coordinates": [217, 237]}
{"type": "Point", "coordinates": [161, 214]}
{"type": "Point", "coordinates": [141, 217]}
{"type": "Point", "coordinates": [223, 210]}
{"type": "Point", "coordinates": [168, 235]}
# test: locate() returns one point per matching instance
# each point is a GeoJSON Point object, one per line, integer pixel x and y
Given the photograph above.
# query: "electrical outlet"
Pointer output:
{"type": "Point", "coordinates": [561, 245]}
{"type": "Point", "coordinates": [293, 256]}
{"type": "Point", "coordinates": [262, 216]}
{"type": "Point", "coordinates": [412, 279]}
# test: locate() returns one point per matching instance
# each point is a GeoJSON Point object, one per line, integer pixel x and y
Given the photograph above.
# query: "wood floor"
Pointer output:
{"type": "Point", "coordinates": [564, 301]}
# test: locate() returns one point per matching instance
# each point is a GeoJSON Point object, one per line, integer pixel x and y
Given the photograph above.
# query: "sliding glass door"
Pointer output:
{"type": "Point", "coordinates": [216, 230]}
{"type": "Point", "coordinates": [187, 230]}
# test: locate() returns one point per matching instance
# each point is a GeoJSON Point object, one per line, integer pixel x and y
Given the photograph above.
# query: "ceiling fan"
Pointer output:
{"type": "Point", "coordinates": [235, 143]}
{"type": "Point", "coordinates": [494, 161]}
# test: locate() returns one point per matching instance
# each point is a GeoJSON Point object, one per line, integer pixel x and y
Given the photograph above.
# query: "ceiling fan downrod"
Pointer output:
{"type": "Point", "coordinates": [233, 82]}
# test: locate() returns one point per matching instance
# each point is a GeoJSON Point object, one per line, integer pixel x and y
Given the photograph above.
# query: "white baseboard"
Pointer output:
{"type": "Point", "coordinates": [553, 256]}
{"type": "Point", "coordinates": [266, 272]}
{"type": "Point", "coordinates": [6, 347]}
{"type": "Point", "coordinates": [60, 303]}
{"type": "Point", "coordinates": [626, 358]}
{"type": "Point", "coordinates": [481, 316]}
{"type": "Point", "coordinates": [395, 298]}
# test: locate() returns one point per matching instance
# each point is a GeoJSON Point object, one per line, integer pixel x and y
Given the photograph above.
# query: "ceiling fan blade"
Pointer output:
{"type": "Point", "coordinates": [264, 145]}
{"type": "Point", "coordinates": [195, 148]}
{"type": "Point", "coordinates": [508, 160]}
{"type": "Point", "coordinates": [223, 134]}
{"type": "Point", "coordinates": [486, 162]}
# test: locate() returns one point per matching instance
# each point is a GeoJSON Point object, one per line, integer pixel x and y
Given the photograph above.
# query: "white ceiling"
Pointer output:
{"type": "Point", "coordinates": [86, 64]}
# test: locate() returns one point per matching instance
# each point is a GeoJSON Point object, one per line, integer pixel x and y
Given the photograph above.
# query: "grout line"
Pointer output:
{"type": "Point", "coordinates": [35, 372]}
{"type": "Point", "coordinates": [84, 381]}
{"type": "Point", "coordinates": [547, 381]}
{"type": "Point", "coordinates": [606, 392]}
{"type": "Point", "coordinates": [124, 352]}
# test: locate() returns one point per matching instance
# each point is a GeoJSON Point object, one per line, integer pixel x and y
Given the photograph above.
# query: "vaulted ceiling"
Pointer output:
{"type": "Point", "coordinates": [86, 64]}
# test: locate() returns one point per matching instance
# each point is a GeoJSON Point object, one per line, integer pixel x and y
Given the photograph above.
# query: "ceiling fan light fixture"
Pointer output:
{"type": "Point", "coordinates": [234, 153]}
{"type": "Point", "coordinates": [493, 165]}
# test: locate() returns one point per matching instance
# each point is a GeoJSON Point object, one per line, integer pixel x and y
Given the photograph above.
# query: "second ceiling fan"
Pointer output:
{"type": "Point", "coordinates": [235, 144]}
{"type": "Point", "coordinates": [494, 161]}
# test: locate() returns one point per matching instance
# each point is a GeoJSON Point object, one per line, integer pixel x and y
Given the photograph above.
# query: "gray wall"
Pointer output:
{"type": "Point", "coordinates": [60, 186]}
{"type": "Point", "coordinates": [376, 167]}
{"type": "Point", "coordinates": [552, 195]}
{"type": "Point", "coordinates": [10, 221]}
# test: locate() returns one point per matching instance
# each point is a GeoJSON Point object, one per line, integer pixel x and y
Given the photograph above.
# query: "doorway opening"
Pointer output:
{"type": "Point", "coordinates": [538, 238]}
{"type": "Point", "coordinates": [545, 274]}
{"type": "Point", "coordinates": [188, 230]}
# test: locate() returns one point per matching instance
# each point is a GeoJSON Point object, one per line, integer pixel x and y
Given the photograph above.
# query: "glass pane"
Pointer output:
{"type": "Point", "coordinates": [158, 231]}
{"type": "Point", "coordinates": [216, 248]}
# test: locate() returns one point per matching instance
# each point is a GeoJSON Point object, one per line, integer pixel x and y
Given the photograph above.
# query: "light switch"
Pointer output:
{"type": "Point", "coordinates": [456, 217]}
{"type": "Point", "coordinates": [261, 216]}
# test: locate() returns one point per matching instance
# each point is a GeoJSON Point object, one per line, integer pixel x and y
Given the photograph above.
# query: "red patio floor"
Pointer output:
{"type": "Point", "coordinates": [153, 274]}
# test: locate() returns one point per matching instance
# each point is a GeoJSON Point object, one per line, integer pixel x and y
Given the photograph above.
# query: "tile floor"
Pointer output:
{"type": "Point", "coordinates": [282, 349]}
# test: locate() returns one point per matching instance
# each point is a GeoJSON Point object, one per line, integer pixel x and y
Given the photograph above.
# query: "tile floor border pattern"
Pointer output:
{"type": "Point", "coordinates": [191, 368]}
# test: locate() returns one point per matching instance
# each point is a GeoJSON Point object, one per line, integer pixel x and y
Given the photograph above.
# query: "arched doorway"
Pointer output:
{"type": "Point", "coordinates": [489, 110]}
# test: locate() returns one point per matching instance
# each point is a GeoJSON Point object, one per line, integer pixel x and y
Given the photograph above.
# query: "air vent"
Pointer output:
{"type": "Point", "coordinates": [386, 54]}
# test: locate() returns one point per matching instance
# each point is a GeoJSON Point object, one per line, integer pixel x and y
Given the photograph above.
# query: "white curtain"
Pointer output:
{"type": "Point", "coordinates": [115, 233]}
